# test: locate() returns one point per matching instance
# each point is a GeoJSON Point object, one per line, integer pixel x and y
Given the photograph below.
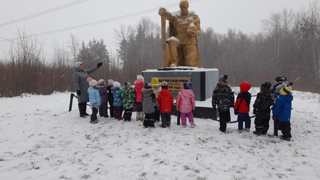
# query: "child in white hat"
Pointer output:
{"type": "Point", "coordinates": [94, 99]}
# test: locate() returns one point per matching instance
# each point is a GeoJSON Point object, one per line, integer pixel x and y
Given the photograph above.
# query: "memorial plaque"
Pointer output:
{"type": "Point", "coordinates": [203, 80]}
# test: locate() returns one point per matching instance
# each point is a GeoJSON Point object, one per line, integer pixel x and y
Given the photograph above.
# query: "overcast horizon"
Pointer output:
{"type": "Point", "coordinates": [245, 15]}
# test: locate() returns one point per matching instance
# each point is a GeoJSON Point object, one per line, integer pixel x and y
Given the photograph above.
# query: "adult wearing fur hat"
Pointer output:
{"type": "Point", "coordinates": [80, 85]}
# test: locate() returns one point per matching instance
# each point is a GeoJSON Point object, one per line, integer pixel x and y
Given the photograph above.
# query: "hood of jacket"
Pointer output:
{"type": "Point", "coordinates": [245, 86]}
{"type": "Point", "coordinates": [187, 93]}
{"type": "Point", "coordinates": [139, 84]}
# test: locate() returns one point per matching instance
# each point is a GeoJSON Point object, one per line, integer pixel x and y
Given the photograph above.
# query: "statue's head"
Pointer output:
{"type": "Point", "coordinates": [184, 5]}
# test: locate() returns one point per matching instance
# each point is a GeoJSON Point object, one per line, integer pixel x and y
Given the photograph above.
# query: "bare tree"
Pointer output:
{"type": "Point", "coordinates": [74, 47]}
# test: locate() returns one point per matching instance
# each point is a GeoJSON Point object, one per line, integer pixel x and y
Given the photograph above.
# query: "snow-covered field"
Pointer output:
{"type": "Point", "coordinates": [39, 139]}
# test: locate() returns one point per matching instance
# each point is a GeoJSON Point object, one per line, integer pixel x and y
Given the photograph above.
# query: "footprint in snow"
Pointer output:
{"type": "Point", "coordinates": [201, 178]}
{"type": "Point", "coordinates": [145, 155]}
{"type": "Point", "coordinates": [65, 177]}
{"type": "Point", "coordinates": [109, 155]}
{"type": "Point", "coordinates": [88, 136]}
{"type": "Point", "coordinates": [85, 176]}
{"type": "Point", "coordinates": [142, 176]}
{"type": "Point", "coordinates": [281, 175]}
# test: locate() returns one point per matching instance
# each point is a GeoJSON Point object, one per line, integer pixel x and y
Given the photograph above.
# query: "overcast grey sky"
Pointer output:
{"type": "Point", "coordinates": [245, 15]}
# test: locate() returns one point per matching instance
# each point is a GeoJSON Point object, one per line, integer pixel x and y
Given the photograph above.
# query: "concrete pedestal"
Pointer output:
{"type": "Point", "coordinates": [203, 80]}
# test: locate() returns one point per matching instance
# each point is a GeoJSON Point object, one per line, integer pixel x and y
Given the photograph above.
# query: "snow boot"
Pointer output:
{"type": "Point", "coordinates": [258, 133]}
{"type": "Point", "coordinates": [127, 115]}
{"type": "Point", "coordinates": [94, 122]}
{"type": "Point", "coordinates": [285, 138]}
{"type": "Point", "coordinates": [82, 109]}
{"type": "Point", "coordinates": [94, 118]}
{"type": "Point", "coordinates": [148, 123]}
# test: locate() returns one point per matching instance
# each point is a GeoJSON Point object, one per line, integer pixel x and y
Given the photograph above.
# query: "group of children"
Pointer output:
{"type": "Point", "coordinates": [155, 102]}
{"type": "Point", "coordinates": [277, 98]}
{"type": "Point", "coordinates": [150, 102]}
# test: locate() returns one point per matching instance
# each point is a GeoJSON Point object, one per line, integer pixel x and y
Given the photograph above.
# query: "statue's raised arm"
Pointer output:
{"type": "Point", "coordinates": [181, 47]}
{"type": "Point", "coordinates": [167, 15]}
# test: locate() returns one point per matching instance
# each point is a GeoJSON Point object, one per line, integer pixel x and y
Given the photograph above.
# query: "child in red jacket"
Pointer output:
{"type": "Point", "coordinates": [165, 102]}
{"type": "Point", "coordinates": [242, 106]}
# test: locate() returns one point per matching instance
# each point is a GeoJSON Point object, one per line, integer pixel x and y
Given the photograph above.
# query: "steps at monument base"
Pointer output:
{"type": "Point", "coordinates": [201, 112]}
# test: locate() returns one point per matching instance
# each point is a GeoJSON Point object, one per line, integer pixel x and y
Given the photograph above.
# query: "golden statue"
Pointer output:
{"type": "Point", "coordinates": [181, 48]}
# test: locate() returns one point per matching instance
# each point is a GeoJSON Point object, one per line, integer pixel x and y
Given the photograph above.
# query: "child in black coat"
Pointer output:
{"type": "Point", "coordinates": [261, 109]}
{"type": "Point", "coordinates": [103, 109]}
{"type": "Point", "coordinates": [222, 100]}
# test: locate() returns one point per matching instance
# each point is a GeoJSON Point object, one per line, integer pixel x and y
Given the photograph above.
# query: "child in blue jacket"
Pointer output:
{"type": "Point", "coordinates": [94, 99]}
{"type": "Point", "coordinates": [282, 111]}
{"type": "Point", "coordinates": [117, 94]}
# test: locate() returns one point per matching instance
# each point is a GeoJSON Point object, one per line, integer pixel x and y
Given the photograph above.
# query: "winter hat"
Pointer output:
{"type": "Point", "coordinates": [285, 90]}
{"type": "Point", "coordinates": [223, 78]}
{"type": "Point", "coordinates": [127, 84]}
{"type": "Point", "coordinates": [187, 85]}
{"type": "Point", "coordinates": [116, 84]}
{"type": "Point", "coordinates": [110, 82]}
{"type": "Point", "coordinates": [93, 83]}
{"type": "Point", "coordinates": [140, 77]}
{"type": "Point", "coordinates": [281, 79]}
{"type": "Point", "coordinates": [266, 87]}
{"type": "Point", "coordinates": [164, 84]}
{"type": "Point", "coordinates": [245, 86]}
{"type": "Point", "coordinates": [101, 82]}
{"type": "Point", "coordinates": [147, 85]}
{"type": "Point", "coordinates": [155, 82]}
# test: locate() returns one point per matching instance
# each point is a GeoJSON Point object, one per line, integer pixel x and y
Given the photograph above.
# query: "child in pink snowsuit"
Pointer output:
{"type": "Point", "coordinates": [186, 104]}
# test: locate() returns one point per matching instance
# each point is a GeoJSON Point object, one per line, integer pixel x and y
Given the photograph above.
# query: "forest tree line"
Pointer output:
{"type": "Point", "coordinates": [289, 45]}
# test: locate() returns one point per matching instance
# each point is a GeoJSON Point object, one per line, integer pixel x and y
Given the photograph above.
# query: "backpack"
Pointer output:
{"type": "Point", "coordinates": [224, 104]}
{"type": "Point", "coordinates": [223, 98]}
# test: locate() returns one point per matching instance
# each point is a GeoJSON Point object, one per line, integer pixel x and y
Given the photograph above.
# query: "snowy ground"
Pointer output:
{"type": "Point", "coordinates": [39, 139]}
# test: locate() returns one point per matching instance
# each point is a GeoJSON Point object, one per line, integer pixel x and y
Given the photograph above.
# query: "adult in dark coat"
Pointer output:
{"type": "Point", "coordinates": [81, 85]}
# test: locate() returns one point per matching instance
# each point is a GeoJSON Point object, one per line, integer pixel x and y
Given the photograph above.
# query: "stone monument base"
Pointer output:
{"type": "Point", "coordinates": [203, 80]}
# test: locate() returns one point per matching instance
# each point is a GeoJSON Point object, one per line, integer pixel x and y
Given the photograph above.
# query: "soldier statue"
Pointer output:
{"type": "Point", "coordinates": [181, 48]}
